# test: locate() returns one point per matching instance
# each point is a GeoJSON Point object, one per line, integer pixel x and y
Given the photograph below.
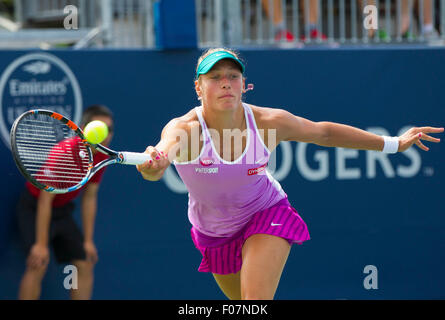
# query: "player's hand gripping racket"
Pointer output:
{"type": "Point", "coordinates": [53, 154]}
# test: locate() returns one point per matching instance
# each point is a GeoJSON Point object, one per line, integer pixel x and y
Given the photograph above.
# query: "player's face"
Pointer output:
{"type": "Point", "coordinates": [221, 88]}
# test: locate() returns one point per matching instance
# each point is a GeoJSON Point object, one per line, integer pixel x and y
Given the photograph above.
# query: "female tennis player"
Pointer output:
{"type": "Point", "coordinates": [242, 221]}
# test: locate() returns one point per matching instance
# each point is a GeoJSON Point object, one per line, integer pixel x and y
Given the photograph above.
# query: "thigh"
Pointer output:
{"type": "Point", "coordinates": [68, 240]}
{"type": "Point", "coordinates": [229, 284]}
{"type": "Point", "coordinates": [264, 257]}
{"type": "Point", "coordinates": [26, 220]}
{"type": "Point", "coordinates": [84, 267]}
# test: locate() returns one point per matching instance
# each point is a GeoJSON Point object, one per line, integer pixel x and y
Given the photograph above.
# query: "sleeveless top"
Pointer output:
{"type": "Point", "coordinates": [224, 195]}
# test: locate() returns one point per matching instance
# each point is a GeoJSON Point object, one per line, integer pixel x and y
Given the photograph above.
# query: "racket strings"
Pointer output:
{"type": "Point", "coordinates": [51, 152]}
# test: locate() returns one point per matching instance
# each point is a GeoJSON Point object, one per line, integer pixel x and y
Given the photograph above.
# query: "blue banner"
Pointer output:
{"type": "Point", "coordinates": [175, 24]}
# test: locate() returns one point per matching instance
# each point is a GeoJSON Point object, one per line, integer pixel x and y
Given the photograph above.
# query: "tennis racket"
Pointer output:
{"type": "Point", "coordinates": [52, 153]}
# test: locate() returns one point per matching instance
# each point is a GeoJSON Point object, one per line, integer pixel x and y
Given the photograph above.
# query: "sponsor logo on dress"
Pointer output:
{"type": "Point", "coordinates": [252, 172]}
{"type": "Point", "coordinates": [206, 162]}
{"type": "Point", "coordinates": [206, 170]}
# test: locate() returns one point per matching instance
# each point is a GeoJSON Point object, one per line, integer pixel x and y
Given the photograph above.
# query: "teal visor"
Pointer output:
{"type": "Point", "coordinates": [208, 62]}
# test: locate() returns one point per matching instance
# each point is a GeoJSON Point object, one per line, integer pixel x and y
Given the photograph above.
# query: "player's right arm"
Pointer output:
{"type": "Point", "coordinates": [39, 254]}
{"type": "Point", "coordinates": [172, 146]}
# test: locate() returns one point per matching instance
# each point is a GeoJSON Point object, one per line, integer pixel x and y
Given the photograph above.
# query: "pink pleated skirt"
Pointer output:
{"type": "Point", "coordinates": [224, 255]}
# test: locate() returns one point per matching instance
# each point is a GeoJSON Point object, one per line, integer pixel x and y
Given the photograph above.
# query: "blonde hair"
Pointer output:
{"type": "Point", "coordinates": [212, 50]}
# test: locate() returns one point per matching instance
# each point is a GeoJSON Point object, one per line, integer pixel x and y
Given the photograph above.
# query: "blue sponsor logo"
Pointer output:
{"type": "Point", "coordinates": [37, 81]}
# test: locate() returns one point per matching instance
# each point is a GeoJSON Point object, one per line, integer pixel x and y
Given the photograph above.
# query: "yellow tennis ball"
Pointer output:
{"type": "Point", "coordinates": [96, 131]}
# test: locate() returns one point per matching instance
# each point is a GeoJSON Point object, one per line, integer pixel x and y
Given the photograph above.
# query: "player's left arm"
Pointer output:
{"type": "Point", "coordinates": [331, 134]}
{"type": "Point", "coordinates": [89, 208]}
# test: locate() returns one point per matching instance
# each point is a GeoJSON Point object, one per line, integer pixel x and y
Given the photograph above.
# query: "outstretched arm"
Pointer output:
{"type": "Point", "coordinates": [330, 134]}
{"type": "Point", "coordinates": [173, 144]}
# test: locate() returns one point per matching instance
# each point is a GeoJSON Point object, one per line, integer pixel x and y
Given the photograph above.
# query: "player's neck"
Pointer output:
{"type": "Point", "coordinates": [228, 119]}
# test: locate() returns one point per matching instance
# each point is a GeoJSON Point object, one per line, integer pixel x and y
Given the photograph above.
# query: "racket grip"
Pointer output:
{"type": "Point", "coordinates": [134, 158]}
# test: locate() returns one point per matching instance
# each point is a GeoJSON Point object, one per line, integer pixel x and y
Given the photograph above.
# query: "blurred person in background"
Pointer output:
{"type": "Point", "coordinates": [281, 31]}
{"type": "Point", "coordinates": [427, 30]}
{"type": "Point", "coordinates": [47, 219]}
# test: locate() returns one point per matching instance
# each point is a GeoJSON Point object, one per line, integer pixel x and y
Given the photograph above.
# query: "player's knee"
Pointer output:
{"type": "Point", "coordinates": [37, 272]}
{"type": "Point", "coordinates": [256, 296]}
{"type": "Point", "coordinates": [257, 293]}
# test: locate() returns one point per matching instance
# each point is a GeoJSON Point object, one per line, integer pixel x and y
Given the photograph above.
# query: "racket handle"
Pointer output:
{"type": "Point", "coordinates": [134, 158]}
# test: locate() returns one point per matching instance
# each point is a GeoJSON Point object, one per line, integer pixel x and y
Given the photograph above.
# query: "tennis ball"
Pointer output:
{"type": "Point", "coordinates": [96, 131]}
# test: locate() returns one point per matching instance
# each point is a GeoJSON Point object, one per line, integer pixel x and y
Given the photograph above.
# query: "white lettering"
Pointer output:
{"type": "Point", "coordinates": [31, 88]}
{"type": "Point", "coordinates": [371, 20]}
{"type": "Point", "coordinates": [206, 170]}
{"type": "Point", "coordinates": [286, 161]}
{"type": "Point", "coordinates": [322, 157]}
{"type": "Point", "coordinates": [342, 172]}
{"type": "Point", "coordinates": [370, 281]}
{"type": "Point", "coordinates": [195, 310]}
{"type": "Point", "coordinates": [71, 21]}
{"type": "Point", "coordinates": [70, 281]}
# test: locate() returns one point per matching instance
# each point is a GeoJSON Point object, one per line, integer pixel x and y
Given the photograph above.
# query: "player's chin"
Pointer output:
{"type": "Point", "coordinates": [228, 104]}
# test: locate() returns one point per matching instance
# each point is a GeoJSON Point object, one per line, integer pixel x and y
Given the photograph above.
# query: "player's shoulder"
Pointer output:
{"type": "Point", "coordinates": [268, 117]}
{"type": "Point", "coordinates": [186, 121]}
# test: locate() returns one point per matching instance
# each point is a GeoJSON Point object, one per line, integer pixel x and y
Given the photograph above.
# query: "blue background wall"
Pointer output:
{"type": "Point", "coordinates": [142, 232]}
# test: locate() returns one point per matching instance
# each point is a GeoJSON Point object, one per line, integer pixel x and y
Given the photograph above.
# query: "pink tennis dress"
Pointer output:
{"type": "Point", "coordinates": [230, 201]}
